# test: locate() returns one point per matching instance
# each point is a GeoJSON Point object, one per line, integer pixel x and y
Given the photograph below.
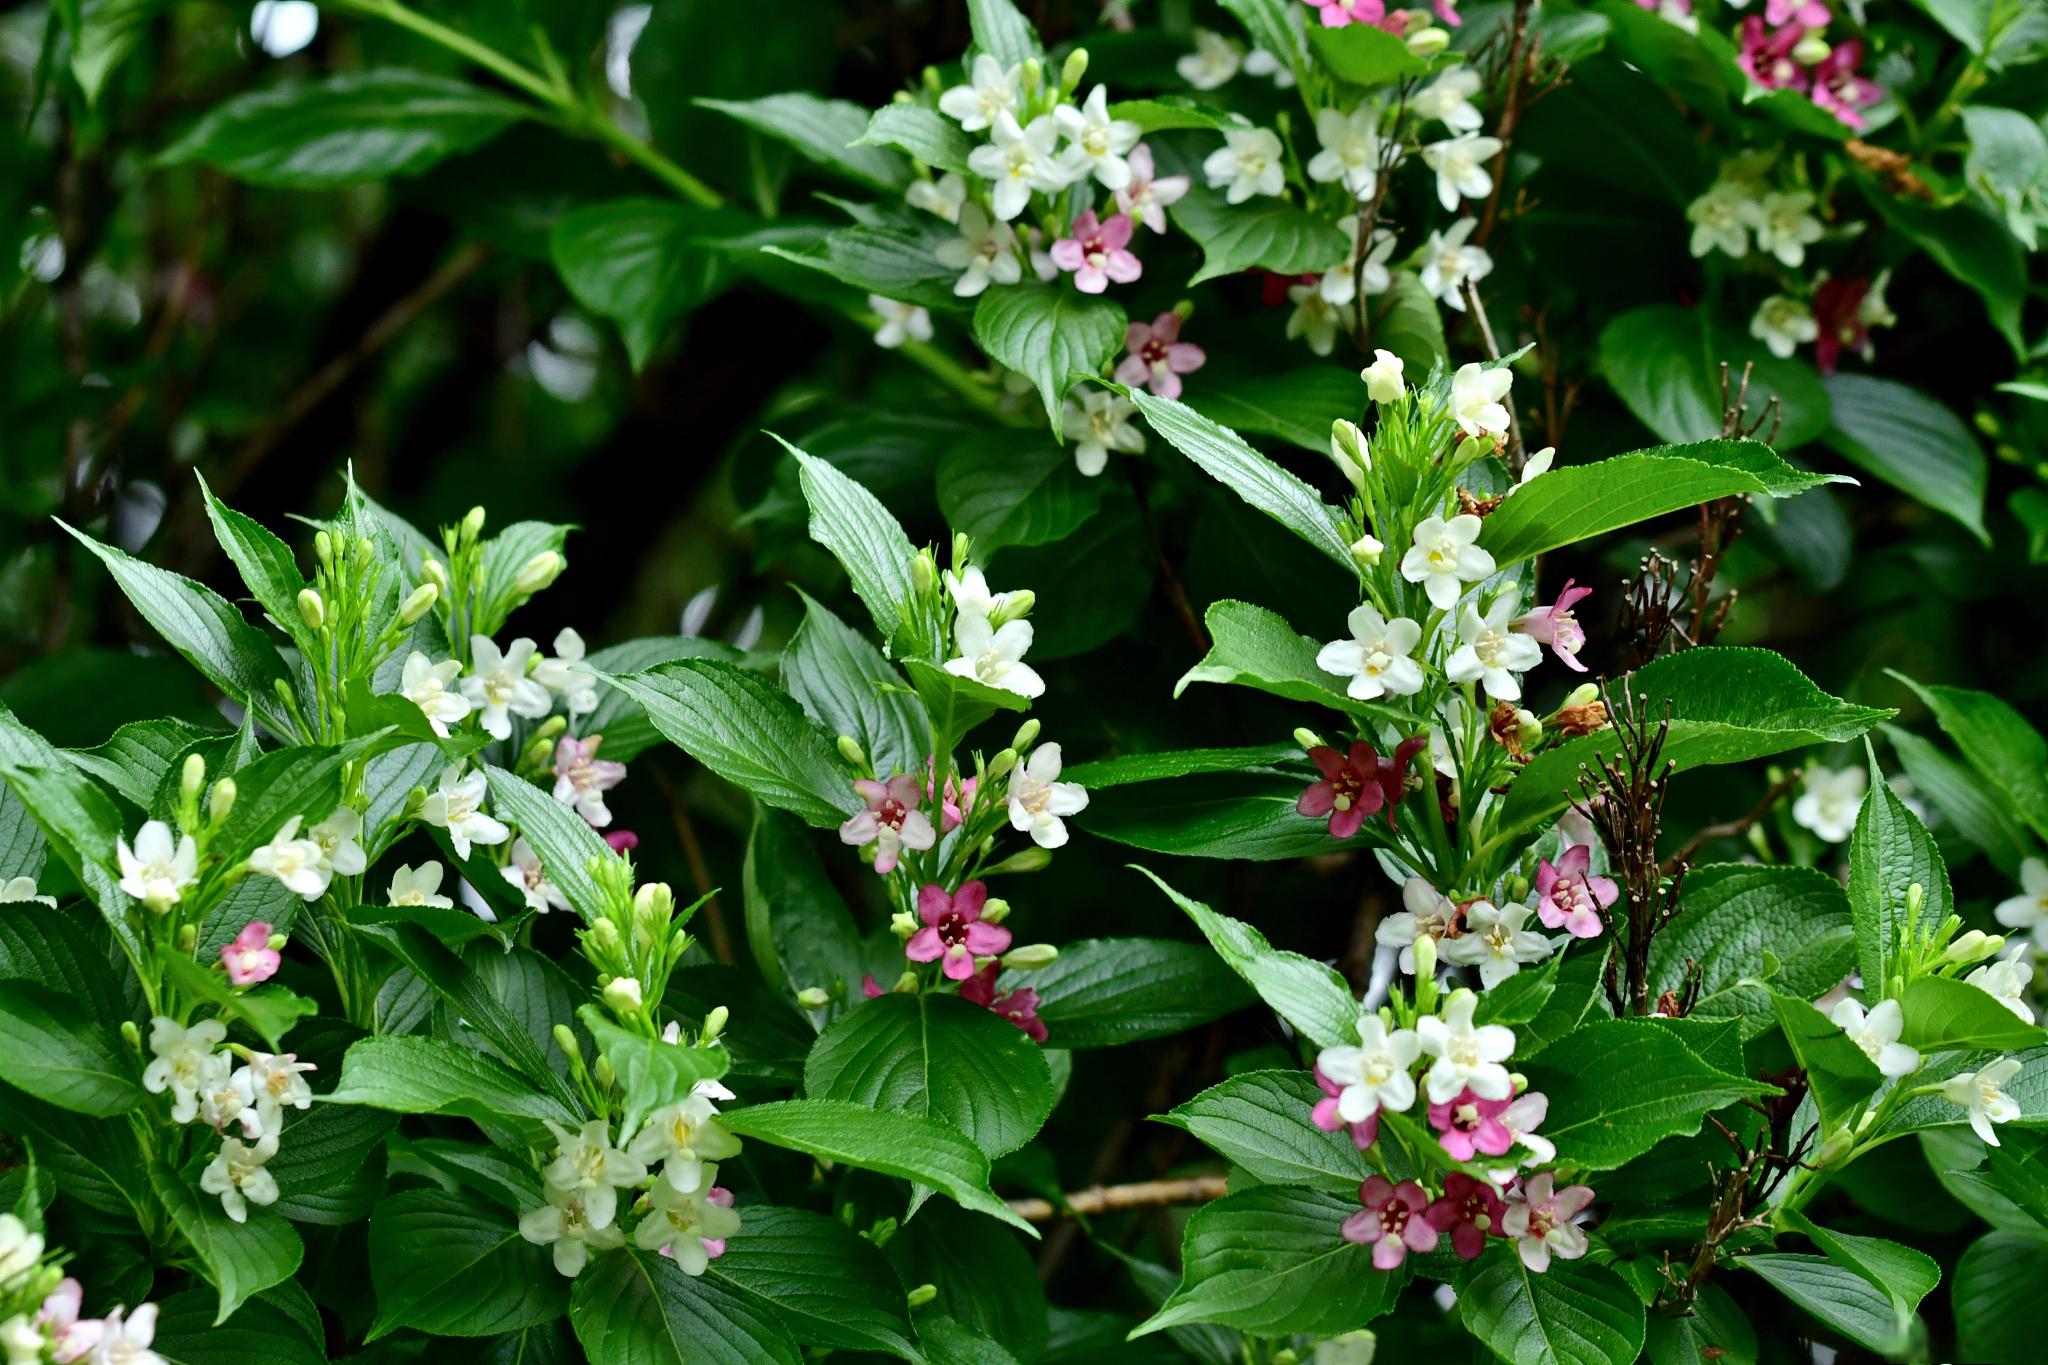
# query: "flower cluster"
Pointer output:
{"type": "Point", "coordinates": [1786, 48]}
{"type": "Point", "coordinates": [42, 1310]}
{"type": "Point", "coordinates": [198, 1069]}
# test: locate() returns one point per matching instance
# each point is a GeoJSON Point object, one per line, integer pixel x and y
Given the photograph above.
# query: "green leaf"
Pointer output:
{"type": "Point", "coordinates": [1943, 1012]}
{"type": "Point", "coordinates": [1903, 1275]}
{"type": "Point", "coordinates": [1618, 1087]}
{"type": "Point", "coordinates": [238, 1259]}
{"type": "Point", "coordinates": [1968, 239]}
{"type": "Point", "coordinates": [653, 1074]}
{"type": "Point", "coordinates": [1125, 769]}
{"type": "Point", "coordinates": [1365, 55]}
{"type": "Point", "coordinates": [330, 1164]}
{"type": "Point", "coordinates": [827, 133]}
{"type": "Point", "coordinates": [1410, 324]}
{"type": "Point", "coordinates": [1665, 363]}
{"type": "Point", "coordinates": [2028, 1089]}
{"type": "Point", "coordinates": [1271, 1261]}
{"type": "Point", "coordinates": [138, 757]}
{"type": "Point", "coordinates": [79, 820]}
{"type": "Point", "coordinates": [1304, 992]}
{"type": "Point", "coordinates": [1253, 647]}
{"type": "Point", "coordinates": [1902, 436]}
{"type": "Point", "coordinates": [448, 1266]}
{"type": "Point", "coordinates": [1715, 1332]}
{"type": "Point", "coordinates": [907, 1146]}
{"type": "Point", "coordinates": [1996, 1290]}
{"type": "Point", "coordinates": [1298, 406]}
{"type": "Point", "coordinates": [268, 1010]}
{"type": "Point", "coordinates": [1840, 1298]}
{"type": "Point", "coordinates": [1978, 811]}
{"type": "Point", "coordinates": [261, 1331]}
{"type": "Point", "coordinates": [627, 731]}
{"type": "Point", "coordinates": [1838, 1074]}
{"type": "Point", "coordinates": [862, 535]}
{"type": "Point", "coordinates": [410, 1075]}
{"type": "Point", "coordinates": [939, 1057]}
{"type": "Point", "coordinates": [798, 928]}
{"type": "Point", "coordinates": [1273, 25]}
{"type": "Point", "coordinates": [51, 1047]}
{"type": "Point", "coordinates": [1241, 815]}
{"type": "Point", "coordinates": [1579, 502]}
{"type": "Point", "coordinates": [1259, 1120]}
{"type": "Point", "coordinates": [1734, 913]}
{"type": "Point", "coordinates": [1104, 992]}
{"type": "Point", "coordinates": [266, 564]}
{"type": "Point", "coordinates": [1169, 112]}
{"type": "Point", "coordinates": [1728, 705]}
{"type": "Point", "coordinates": [344, 130]}
{"type": "Point", "coordinates": [956, 704]}
{"type": "Point", "coordinates": [896, 262]}
{"type": "Point", "coordinates": [1576, 1313]}
{"type": "Point", "coordinates": [1223, 456]}
{"type": "Point", "coordinates": [825, 1283]}
{"type": "Point", "coordinates": [1998, 742]}
{"type": "Point", "coordinates": [1014, 488]}
{"type": "Point", "coordinates": [750, 733]}
{"type": "Point", "coordinates": [637, 1308]}
{"type": "Point", "coordinates": [565, 845]}
{"type": "Point", "coordinates": [1891, 852]}
{"type": "Point", "coordinates": [923, 134]}
{"type": "Point", "coordinates": [1050, 334]}
{"type": "Point", "coordinates": [1002, 32]}
{"type": "Point", "coordinates": [846, 686]}
{"type": "Point", "coordinates": [1264, 234]}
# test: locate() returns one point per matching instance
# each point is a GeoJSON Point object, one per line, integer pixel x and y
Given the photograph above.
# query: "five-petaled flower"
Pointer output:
{"type": "Point", "coordinates": [1555, 625]}
{"type": "Point", "coordinates": [1425, 913]}
{"type": "Point", "coordinates": [497, 685]}
{"type": "Point", "coordinates": [248, 958]}
{"type": "Point", "coordinates": [1392, 1221]}
{"type": "Point", "coordinates": [582, 778]}
{"type": "Point", "coordinates": [431, 687]}
{"type": "Point", "coordinates": [1470, 1210]}
{"type": "Point", "coordinates": [1877, 1033]}
{"type": "Point", "coordinates": [1496, 942]}
{"type": "Point", "coordinates": [1493, 653]}
{"type": "Point", "coordinates": [1250, 162]}
{"type": "Point", "coordinates": [1831, 801]}
{"type": "Point", "coordinates": [1039, 801]}
{"type": "Point", "coordinates": [1376, 657]}
{"type": "Point", "coordinates": [1374, 1075]}
{"type": "Point", "coordinates": [1569, 897]}
{"type": "Point", "coordinates": [1098, 252]}
{"type": "Point", "coordinates": [1444, 558]}
{"type": "Point", "coordinates": [1348, 791]}
{"type": "Point", "coordinates": [1539, 1218]}
{"type": "Point", "coordinates": [1325, 1115]}
{"type": "Point", "coordinates": [1467, 1055]}
{"type": "Point", "coordinates": [1468, 1124]}
{"type": "Point", "coordinates": [1982, 1096]}
{"type": "Point", "coordinates": [1097, 143]}
{"type": "Point", "coordinates": [892, 822]}
{"type": "Point", "coordinates": [984, 253]}
{"type": "Point", "coordinates": [1019, 1006]}
{"type": "Point", "coordinates": [457, 805]}
{"type": "Point", "coordinates": [1146, 196]}
{"type": "Point", "coordinates": [2028, 911]}
{"type": "Point", "coordinates": [157, 869]}
{"type": "Point", "coordinates": [1157, 357]}
{"type": "Point", "coordinates": [954, 933]}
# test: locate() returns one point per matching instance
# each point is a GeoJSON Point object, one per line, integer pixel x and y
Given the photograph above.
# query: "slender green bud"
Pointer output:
{"type": "Point", "coordinates": [415, 801]}
{"type": "Point", "coordinates": [1425, 958]}
{"type": "Point", "coordinates": [622, 993]}
{"type": "Point", "coordinates": [924, 575]}
{"type": "Point", "coordinates": [654, 903]}
{"type": "Point", "coordinates": [1366, 551]}
{"type": "Point", "coordinates": [603, 1074]}
{"type": "Point", "coordinates": [418, 603]}
{"type": "Point", "coordinates": [1016, 605]}
{"type": "Point", "coordinates": [1027, 735]}
{"type": "Point", "coordinates": [1916, 896]}
{"type": "Point", "coordinates": [963, 550]}
{"type": "Point", "coordinates": [1528, 729]}
{"type": "Point", "coordinates": [1834, 1147]}
{"type": "Point", "coordinates": [1974, 946]}
{"type": "Point", "coordinates": [188, 936]}
{"type": "Point", "coordinates": [538, 572]}
{"type": "Point", "coordinates": [192, 779]}
{"type": "Point", "coordinates": [1308, 739]}
{"type": "Point", "coordinates": [850, 750]}
{"type": "Point", "coordinates": [606, 932]}
{"type": "Point", "coordinates": [1428, 42]}
{"type": "Point", "coordinates": [906, 984]}
{"type": "Point", "coordinates": [714, 1023]}
{"type": "Point", "coordinates": [276, 942]}
{"type": "Point", "coordinates": [323, 548]}
{"type": "Point", "coordinates": [565, 1039]}
{"type": "Point", "coordinates": [995, 910]}
{"type": "Point", "coordinates": [1585, 694]}
{"type": "Point", "coordinates": [1348, 452]}
{"type": "Point", "coordinates": [922, 1295]}
{"type": "Point", "coordinates": [131, 1035]}
{"type": "Point", "coordinates": [1033, 859]}
{"type": "Point", "coordinates": [221, 800]}
{"type": "Point", "coordinates": [1076, 67]}
{"type": "Point", "coordinates": [312, 610]}
{"type": "Point", "coordinates": [1518, 887]}
{"type": "Point", "coordinates": [1184, 310]}
{"type": "Point", "coordinates": [436, 573]}
{"type": "Point", "coordinates": [1031, 957]}
{"type": "Point", "coordinates": [552, 728]}
{"type": "Point", "coordinates": [1000, 765]}
{"type": "Point", "coordinates": [472, 525]}
{"type": "Point", "coordinates": [1033, 75]}
{"type": "Point", "coordinates": [814, 997]}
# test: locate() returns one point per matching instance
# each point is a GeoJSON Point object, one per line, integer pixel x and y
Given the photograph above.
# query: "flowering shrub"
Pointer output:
{"type": "Point", "coordinates": [1281, 821]}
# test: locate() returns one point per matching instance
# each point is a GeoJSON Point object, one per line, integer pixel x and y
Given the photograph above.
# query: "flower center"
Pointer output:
{"type": "Point", "coordinates": [891, 813]}
{"type": "Point", "coordinates": [1393, 1218]}
{"type": "Point", "coordinates": [952, 927]}
{"type": "Point", "coordinates": [1345, 788]}
{"type": "Point", "coordinates": [1463, 1050]}
{"type": "Point", "coordinates": [1465, 1118]}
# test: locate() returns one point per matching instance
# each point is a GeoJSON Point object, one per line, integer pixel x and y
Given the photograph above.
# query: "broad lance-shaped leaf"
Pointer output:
{"type": "Point", "coordinates": [565, 845]}
{"type": "Point", "coordinates": [1050, 334]}
{"type": "Point", "coordinates": [1576, 1313]}
{"type": "Point", "coordinates": [653, 1074]}
{"type": "Point", "coordinates": [1260, 1122]}
{"type": "Point", "coordinates": [420, 1075]}
{"type": "Point", "coordinates": [53, 1049]}
{"type": "Point", "coordinates": [1838, 1073]}
{"type": "Point", "coordinates": [1002, 31]}
{"type": "Point", "coordinates": [1125, 769]}
{"type": "Point", "coordinates": [1913, 442]}
{"type": "Point", "coordinates": [1248, 815]}
{"type": "Point", "coordinates": [1836, 1295]}
{"type": "Point", "coordinates": [237, 1259]}
{"type": "Point", "coordinates": [825, 1283]}
{"type": "Point", "coordinates": [1900, 1273]}
{"type": "Point", "coordinates": [80, 821]}
{"type": "Point", "coordinates": [1254, 647]}
{"type": "Point", "coordinates": [845, 684]}
{"type": "Point", "coordinates": [1103, 992]}
{"type": "Point", "coordinates": [448, 1265]}
{"type": "Point", "coordinates": [827, 133]}
{"type": "Point", "coordinates": [632, 1307]}
{"type": "Point", "coordinates": [925, 134]}
{"type": "Point", "coordinates": [862, 534]}
{"type": "Point", "coordinates": [1015, 488]}
{"type": "Point", "coordinates": [1620, 1086]}
{"type": "Point", "coordinates": [750, 733]}
{"type": "Point", "coordinates": [1998, 742]}
{"type": "Point", "coordinates": [1221, 454]}
{"type": "Point", "coordinates": [1304, 992]}
{"type": "Point", "coordinates": [1942, 1013]}
{"type": "Point", "coordinates": [1890, 853]}
{"type": "Point", "coordinates": [1579, 502]}
{"type": "Point", "coordinates": [1728, 705]}
{"type": "Point", "coordinates": [1265, 234]}
{"type": "Point", "coordinates": [1735, 913]}
{"type": "Point", "coordinates": [1298, 406]}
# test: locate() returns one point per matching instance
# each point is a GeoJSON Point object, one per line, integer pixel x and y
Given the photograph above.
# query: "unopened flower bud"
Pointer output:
{"type": "Point", "coordinates": [714, 1023]}
{"type": "Point", "coordinates": [603, 1074]}
{"type": "Point", "coordinates": [1348, 452]}
{"type": "Point", "coordinates": [1076, 67]}
{"type": "Point", "coordinates": [323, 548]}
{"type": "Point", "coordinates": [221, 800]}
{"type": "Point", "coordinates": [903, 924]}
{"type": "Point", "coordinates": [276, 942]}
{"type": "Point", "coordinates": [814, 997]}
{"type": "Point", "coordinates": [1000, 765]}
{"type": "Point", "coordinates": [1916, 896]}
{"type": "Point", "coordinates": [922, 1295]}
{"type": "Point", "coordinates": [565, 1039]}
{"type": "Point", "coordinates": [1383, 378]}
{"type": "Point", "coordinates": [1834, 1147]}
{"type": "Point", "coordinates": [1811, 50]}
{"type": "Point", "coordinates": [1033, 859]}
{"type": "Point", "coordinates": [1427, 42]}
{"type": "Point", "coordinates": [606, 933]}
{"type": "Point", "coordinates": [543, 569]}
{"type": "Point", "coordinates": [994, 910]}
{"type": "Point", "coordinates": [1517, 887]}
{"type": "Point", "coordinates": [924, 575]}
{"type": "Point", "coordinates": [1308, 739]}
{"type": "Point", "coordinates": [418, 603]}
{"type": "Point", "coordinates": [191, 778]}
{"type": "Point", "coordinates": [963, 550]}
{"type": "Point", "coordinates": [1583, 693]}
{"type": "Point", "coordinates": [435, 572]}
{"type": "Point", "coordinates": [1016, 606]}
{"type": "Point", "coordinates": [654, 903]}
{"type": "Point", "coordinates": [187, 937]}
{"type": "Point", "coordinates": [130, 1034]}
{"type": "Point", "coordinates": [1366, 550]}
{"type": "Point", "coordinates": [622, 993]}
{"type": "Point", "coordinates": [1425, 958]}
{"type": "Point", "coordinates": [472, 525]}
{"type": "Point", "coordinates": [850, 750]}
{"type": "Point", "coordinates": [312, 610]}
{"type": "Point", "coordinates": [1974, 946]}
{"type": "Point", "coordinates": [1027, 735]}
{"type": "Point", "coordinates": [1033, 75]}
{"type": "Point", "coordinates": [1031, 957]}
{"type": "Point", "coordinates": [906, 984]}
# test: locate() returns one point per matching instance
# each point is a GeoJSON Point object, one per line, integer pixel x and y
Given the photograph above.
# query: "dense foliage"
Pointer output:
{"type": "Point", "coordinates": [1250, 681]}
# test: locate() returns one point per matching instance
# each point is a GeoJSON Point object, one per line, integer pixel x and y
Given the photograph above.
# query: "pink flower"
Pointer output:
{"type": "Point", "coordinates": [714, 1247]}
{"type": "Point", "coordinates": [959, 797]}
{"type": "Point", "coordinates": [870, 987]}
{"type": "Point", "coordinates": [1555, 625]}
{"type": "Point", "coordinates": [1838, 312]}
{"type": "Point", "coordinates": [1391, 1222]}
{"type": "Point", "coordinates": [622, 841]}
{"type": "Point", "coordinates": [71, 1337]}
{"type": "Point", "coordinates": [1569, 899]}
{"type": "Point", "coordinates": [1158, 357]}
{"type": "Point", "coordinates": [1098, 252]}
{"type": "Point", "coordinates": [1326, 1117]}
{"type": "Point", "coordinates": [892, 822]}
{"type": "Point", "coordinates": [1349, 791]}
{"type": "Point", "coordinates": [1392, 773]}
{"type": "Point", "coordinates": [582, 778]}
{"type": "Point", "coordinates": [1768, 57]}
{"type": "Point", "coordinates": [1839, 90]}
{"type": "Point", "coordinates": [1447, 10]}
{"type": "Point", "coordinates": [250, 958]}
{"type": "Point", "coordinates": [1469, 1211]}
{"type": "Point", "coordinates": [1805, 13]}
{"type": "Point", "coordinates": [1020, 1006]}
{"type": "Point", "coordinates": [1541, 1222]}
{"type": "Point", "coordinates": [953, 929]}
{"type": "Point", "coordinates": [1146, 198]}
{"type": "Point", "coordinates": [1469, 1124]}
{"type": "Point", "coordinates": [1343, 13]}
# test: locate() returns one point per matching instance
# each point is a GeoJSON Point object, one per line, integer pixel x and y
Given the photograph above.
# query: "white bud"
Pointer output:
{"type": "Point", "coordinates": [1366, 550]}
{"type": "Point", "coordinates": [1383, 381]}
{"type": "Point", "coordinates": [1030, 957]}
{"type": "Point", "coordinates": [312, 610]}
{"type": "Point", "coordinates": [1348, 452]}
{"type": "Point", "coordinates": [622, 993]}
{"type": "Point", "coordinates": [418, 603]}
{"type": "Point", "coordinates": [814, 997]}
{"type": "Point", "coordinates": [539, 571]}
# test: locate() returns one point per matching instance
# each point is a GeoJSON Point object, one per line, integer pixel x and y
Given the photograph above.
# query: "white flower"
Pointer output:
{"type": "Point", "coordinates": [1459, 163]}
{"type": "Point", "coordinates": [185, 1063]}
{"type": "Point", "coordinates": [1783, 324]}
{"type": "Point", "coordinates": [22, 891]}
{"type": "Point", "coordinates": [1351, 149]}
{"type": "Point", "coordinates": [278, 1082]}
{"type": "Point", "coordinates": [1314, 318]}
{"type": "Point", "coordinates": [1720, 218]}
{"type": "Point", "coordinates": [425, 684]}
{"type": "Point", "coordinates": [1376, 657]}
{"type": "Point", "coordinates": [1539, 1220]}
{"type": "Point", "coordinates": [682, 1222]}
{"type": "Point", "coordinates": [1476, 399]}
{"type": "Point", "coordinates": [2028, 911]}
{"type": "Point", "coordinates": [119, 1342]}
{"type": "Point", "coordinates": [298, 864]}
{"type": "Point", "coordinates": [525, 875]}
{"type": "Point", "coordinates": [1251, 161]}
{"type": "Point", "coordinates": [156, 870]}
{"type": "Point", "coordinates": [1521, 1118]}
{"type": "Point", "coordinates": [1539, 463]}
{"type": "Point", "coordinates": [21, 1341]}
{"type": "Point", "coordinates": [1784, 223]}
{"type": "Point", "coordinates": [2007, 979]}
{"type": "Point", "coordinates": [1465, 1054]}
{"type": "Point", "coordinates": [336, 838]}
{"type": "Point", "coordinates": [565, 1222]}
{"type": "Point", "coordinates": [1367, 274]}
{"type": "Point", "coordinates": [1982, 1093]}
{"type": "Point", "coordinates": [1098, 142]}
{"type": "Point", "coordinates": [944, 196]}
{"type": "Point", "coordinates": [237, 1175]}
{"type": "Point", "coordinates": [1018, 161]}
{"type": "Point", "coordinates": [971, 595]}
{"type": "Point", "coordinates": [1831, 801]}
{"type": "Point", "coordinates": [1495, 942]}
{"type": "Point", "coordinates": [1443, 558]}
{"type": "Point", "coordinates": [1493, 652]}
{"type": "Point", "coordinates": [586, 1163]}
{"type": "Point", "coordinates": [990, 93]}
{"type": "Point", "coordinates": [1374, 1075]}
{"type": "Point", "coordinates": [1098, 421]}
{"type": "Point", "coordinates": [230, 1099]}
{"type": "Point", "coordinates": [684, 1137]}
{"type": "Point", "coordinates": [995, 655]}
{"type": "Point", "coordinates": [567, 676]}
{"type": "Point", "coordinates": [498, 687]}
{"type": "Point", "coordinates": [1448, 265]}
{"type": "Point", "coordinates": [1425, 913]}
{"type": "Point", "coordinates": [1383, 382]}
{"type": "Point", "coordinates": [1039, 801]}
{"type": "Point", "coordinates": [20, 1250]}
{"type": "Point", "coordinates": [1877, 1033]}
{"type": "Point", "coordinates": [458, 807]}
{"type": "Point", "coordinates": [1874, 311]}
{"type": "Point", "coordinates": [984, 253]}
{"type": "Point", "coordinates": [1448, 100]}
{"type": "Point", "coordinates": [901, 322]}
{"type": "Point", "coordinates": [417, 886]}
{"type": "Point", "coordinates": [1213, 62]}
{"type": "Point", "coordinates": [1259, 62]}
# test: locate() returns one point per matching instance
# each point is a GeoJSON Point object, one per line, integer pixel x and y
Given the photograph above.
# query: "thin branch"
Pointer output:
{"type": "Point", "coordinates": [1110, 1198]}
{"type": "Point", "coordinates": [1729, 829]}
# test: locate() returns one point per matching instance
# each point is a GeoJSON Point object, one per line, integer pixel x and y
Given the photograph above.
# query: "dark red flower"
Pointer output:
{"type": "Point", "coordinates": [1470, 1210]}
{"type": "Point", "coordinates": [1020, 1006]}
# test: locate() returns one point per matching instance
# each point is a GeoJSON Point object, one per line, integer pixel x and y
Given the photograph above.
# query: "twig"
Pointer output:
{"type": "Point", "coordinates": [1110, 1198]}
{"type": "Point", "coordinates": [700, 870]}
{"type": "Point", "coordinates": [1729, 829]}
